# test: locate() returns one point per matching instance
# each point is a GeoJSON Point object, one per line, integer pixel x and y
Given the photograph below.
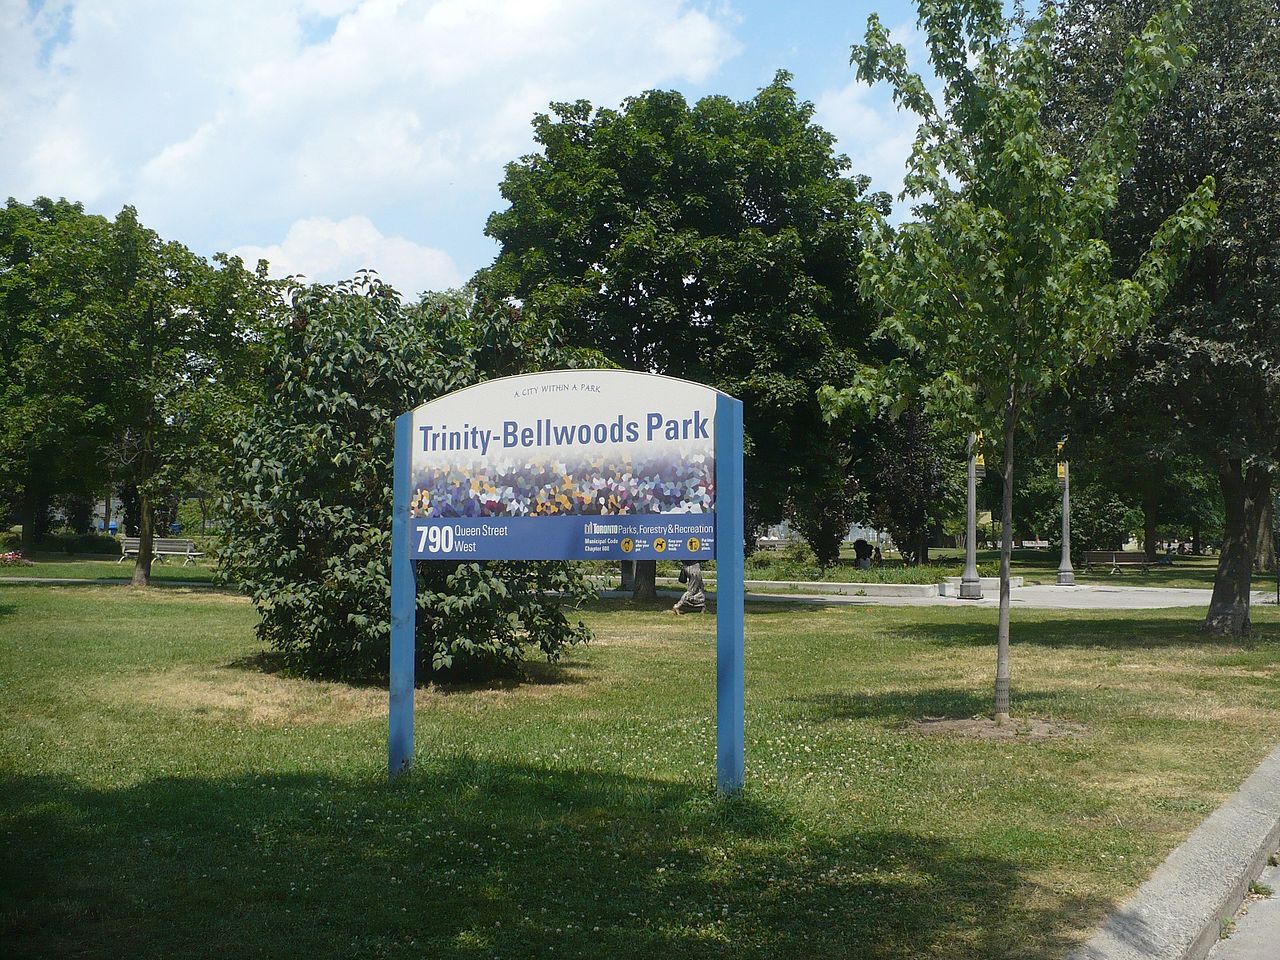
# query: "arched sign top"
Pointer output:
{"type": "Point", "coordinates": [606, 378]}
{"type": "Point", "coordinates": [566, 465]}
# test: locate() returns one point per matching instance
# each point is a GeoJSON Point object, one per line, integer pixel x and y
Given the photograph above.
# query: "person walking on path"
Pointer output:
{"type": "Point", "coordinates": [694, 599]}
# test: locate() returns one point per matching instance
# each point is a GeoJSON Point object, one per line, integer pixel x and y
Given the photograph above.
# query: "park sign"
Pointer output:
{"type": "Point", "coordinates": [572, 465]}
{"type": "Point", "coordinates": [565, 465]}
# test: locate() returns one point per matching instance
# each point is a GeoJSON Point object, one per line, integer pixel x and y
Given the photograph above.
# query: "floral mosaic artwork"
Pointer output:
{"type": "Point", "coordinates": [673, 484]}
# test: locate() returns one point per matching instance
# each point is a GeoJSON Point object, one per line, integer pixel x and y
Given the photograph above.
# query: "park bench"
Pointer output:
{"type": "Point", "coordinates": [162, 548]}
{"type": "Point", "coordinates": [1117, 559]}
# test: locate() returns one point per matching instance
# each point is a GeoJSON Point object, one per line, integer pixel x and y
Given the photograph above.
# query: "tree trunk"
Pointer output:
{"type": "Point", "coordinates": [80, 514]}
{"type": "Point", "coordinates": [129, 510]}
{"type": "Point", "coordinates": [646, 580]}
{"type": "Point", "coordinates": [146, 514]}
{"type": "Point", "coordinates": [1149, 527]}
{"type": "Point", "coordinates": [1243, 495]}
{"type": "Point", "coordinates": [1264, 559]}
{"type": "Point", "coordinates": [30, 507]}
{"type": "Point", "coordinates": [1006, 553]}
{"type": "Point", "coordinates": [1196, 546]}
{"type": "Point", "coordinates": [142, 569]}
{"type": "Point", "coordinates": [627, 570]}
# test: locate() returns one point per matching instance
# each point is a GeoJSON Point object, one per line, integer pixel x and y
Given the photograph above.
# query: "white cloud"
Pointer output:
{"type": "Point", "coordinates": [325, 251]}
{"type": "Point", "coordinates": [225, 122]}
{"type": "Point", "coordinates": [871, 130]}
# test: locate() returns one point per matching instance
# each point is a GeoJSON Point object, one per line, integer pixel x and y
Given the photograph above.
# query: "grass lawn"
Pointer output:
{"type": "Point", "coordinates": [164, 796]}
{"type": "Point", "coordinates": [1041, 566]}
{"type": "Point", "coordinates": [74, 567]}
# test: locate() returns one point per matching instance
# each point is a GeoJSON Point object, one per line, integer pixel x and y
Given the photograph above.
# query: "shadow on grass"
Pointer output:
{"type": "Point", "coordinates": [1128, 630]}
{"type": "Point", "coordinates": [528, 673]}
{"type": "Point", "coordinates": [469, 858]}
{"type": "Point", "coordinates": [902, 705]}
{"type": "Point", "coordinates": [8, 609]}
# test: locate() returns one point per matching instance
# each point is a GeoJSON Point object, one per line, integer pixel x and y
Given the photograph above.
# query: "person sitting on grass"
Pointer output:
{"type": "Point", "coordinates": [694, 599]}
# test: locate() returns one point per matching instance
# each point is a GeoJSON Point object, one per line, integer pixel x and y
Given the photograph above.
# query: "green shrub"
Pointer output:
{"type": "Point", "coordinates": [80, 543]}
{"type": "Point", "coordinates": [308, 518]}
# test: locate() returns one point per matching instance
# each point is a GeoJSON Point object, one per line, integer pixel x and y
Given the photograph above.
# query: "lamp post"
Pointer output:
{"type": "Point", "coordinates": [1066, 575]}
{"type": "Point", "coordinates": [970, 583]}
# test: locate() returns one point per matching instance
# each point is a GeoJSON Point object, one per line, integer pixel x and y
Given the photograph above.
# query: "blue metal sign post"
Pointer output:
{"type": "Point", "coordinates": [404, 607]}
{"type": "Point", "coordinates": [549, 491]}
{"type": "Point", "coordinates": [730, 602]}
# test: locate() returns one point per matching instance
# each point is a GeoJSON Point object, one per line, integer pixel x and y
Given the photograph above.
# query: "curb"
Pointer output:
{"type": "Point", "coordinates": [1177, 914]}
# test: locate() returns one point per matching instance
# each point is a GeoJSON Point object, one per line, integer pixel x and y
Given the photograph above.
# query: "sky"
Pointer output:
{"type": "Point", "coordinates": [331, 135]}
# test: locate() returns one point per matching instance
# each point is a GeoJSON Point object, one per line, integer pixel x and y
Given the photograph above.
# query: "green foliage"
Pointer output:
{"type": "Point", "coordinates": [1207, 371]}
{"type": "Point", "coordinates": [1100, 520]}
{"type": "Point", "coordinates": [309, 516]}
{"type": "Point", "coordinates": [716, 242]}
{"type": "Point", "coordinates": [912, 478]}
{"type": "Point", "coordinates": [124, 359]}
{"type": "Point", "coordinates": [187, 362]}
{"type": "Point", "coordinates": [1004, 286]}
{"type": "Point", "coordinates": [56, 380]}
{"type": "Point", "coordinates": [824, 517]}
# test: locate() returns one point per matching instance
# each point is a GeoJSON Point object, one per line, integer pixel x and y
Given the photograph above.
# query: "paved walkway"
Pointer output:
{"type": "Point", "coordinates": [1256, 932]}
{"type": "Point", "coordinates": [1043, 597]}
{"type": "Point", "coordinates": [1048, 597]}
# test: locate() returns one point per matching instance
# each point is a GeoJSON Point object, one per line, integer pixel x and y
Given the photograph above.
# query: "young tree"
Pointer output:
{"type": "Point", "coordinates": [1005, 285]}
{"type": "Point", "coordinates": [1208, 368]}
{"type": "Point", "coordinates": [716, 242]}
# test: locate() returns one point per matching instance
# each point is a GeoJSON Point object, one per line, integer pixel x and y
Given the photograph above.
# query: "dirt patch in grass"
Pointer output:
{"type": "Point", "coordinates": [125, 594]}
{"type": "Point", "coordinates": [236, 694]}
{"type": "Point", "coordinates": [984, 728]}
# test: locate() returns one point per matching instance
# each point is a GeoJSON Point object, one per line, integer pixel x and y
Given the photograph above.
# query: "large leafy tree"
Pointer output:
{"type": "Point", "coordinates": [56, 388]}
{"type": "Point", "coordinates": [309, 502]}
{"type": "Point", "coordinates": [125, 360]}
{"type": "Point", "coordinates": [185, 357]}
{"type": "Point", "coordinates": [1004, 284]}
{"type": "Point", "coordinates": [1208, 368]}
{"type": "Point", "coordinates": [716, 242]}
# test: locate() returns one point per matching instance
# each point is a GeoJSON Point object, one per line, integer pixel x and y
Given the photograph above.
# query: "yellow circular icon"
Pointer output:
{"type": "Point", "coordinates": [628, 544]}
{"type": "Point", "coordinates": [694, 544]}
{"type": "Point", "coordinates": [659, 545]}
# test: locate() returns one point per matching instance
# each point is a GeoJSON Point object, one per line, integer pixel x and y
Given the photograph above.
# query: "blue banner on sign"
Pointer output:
{"type": "Point", "coordinates": [674, 536]}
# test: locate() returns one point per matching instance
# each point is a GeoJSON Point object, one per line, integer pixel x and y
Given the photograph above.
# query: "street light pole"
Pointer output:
{"type": "Point", "coordinates": [1066, 575]}
{"type": "Point", "coordinates": [970, 583]}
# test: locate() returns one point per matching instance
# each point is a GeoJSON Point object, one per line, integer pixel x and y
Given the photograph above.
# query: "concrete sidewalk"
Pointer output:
{"type": "Point", "coordinates": [1040, 597]}
{"type": "Point", "coordinates": [1255, 934]}
{"type": "Point", "coordinates": [1045, 597]}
